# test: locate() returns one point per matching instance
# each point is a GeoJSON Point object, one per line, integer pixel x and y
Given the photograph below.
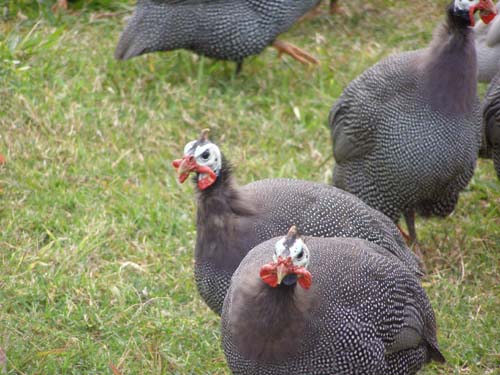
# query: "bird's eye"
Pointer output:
{"type": "Point", "coordinates": [300, 255]}
{"type": "Point", "coordinates": [205, 155]}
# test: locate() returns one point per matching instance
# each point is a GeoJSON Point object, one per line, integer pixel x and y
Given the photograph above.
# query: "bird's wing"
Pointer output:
{"type": "Point", "coordinates": [362, 110]}
{"type": "Point", "coordinates": [350, 138]}
{"type": "Point", "coordinates": [360, 350]}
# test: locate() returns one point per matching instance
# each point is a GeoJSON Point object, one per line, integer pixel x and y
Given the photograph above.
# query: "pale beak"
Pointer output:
{"type": "Point", "coordinates": [281, 272]}
{"type": "Point", "coordinates": [184, 166]}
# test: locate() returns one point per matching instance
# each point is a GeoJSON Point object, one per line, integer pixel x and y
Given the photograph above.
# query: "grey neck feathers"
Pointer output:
{"type": "Point", "coordinates": [270, 325]}
{"type": "Point", "coordinates": [450, 71]}
{"type": "Point", "coordinates": [225, 230]}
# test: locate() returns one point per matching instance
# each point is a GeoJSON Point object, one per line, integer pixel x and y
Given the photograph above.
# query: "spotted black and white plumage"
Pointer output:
{"type": "Point", "coordinates": [491, 121]}
{"type": "Point", "coordinates": [231, 220]}
{"type": "Point", "coordinates": [222, 29]}
{"type": "Point", "coordinates": [406, 132]}
{"type": "Point", "coordinates": [365, 313]}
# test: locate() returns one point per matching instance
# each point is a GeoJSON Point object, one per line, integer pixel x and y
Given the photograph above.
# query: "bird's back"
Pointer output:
{"type": "Point", "coordinates": [323, 211]}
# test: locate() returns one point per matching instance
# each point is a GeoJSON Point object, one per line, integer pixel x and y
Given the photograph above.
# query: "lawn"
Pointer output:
{"type": "Point", "coordinates": [96, 234]}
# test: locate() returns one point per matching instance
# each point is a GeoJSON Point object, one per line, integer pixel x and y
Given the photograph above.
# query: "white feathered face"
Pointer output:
{"type": "Point", "coordinates": [290, 261]}
{"type": "Point", "coordinates": [207, 154]}
{"type": "Point", "coordinates": [468, 8]}
{"type": "Point", "coordinates": [297, 251]}
{"type": "Point", "coordinates": [202, 157]}
{"type": "Point", "coordinates": [465, 4]}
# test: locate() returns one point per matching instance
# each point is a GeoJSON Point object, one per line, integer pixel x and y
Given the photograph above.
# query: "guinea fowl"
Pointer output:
{"type": "Point", "coordinates": [222, 29]}
{"type": "Point", "coordinates": [491, 118]}
{"type": "Point", "coordinates": [334, 306]}
{"type": "Point", "coordinates": [406, 132]}
{"type": "Point", "coordinates": [231, 219]}
{"type": "Point", "coordinates": [488, 49]}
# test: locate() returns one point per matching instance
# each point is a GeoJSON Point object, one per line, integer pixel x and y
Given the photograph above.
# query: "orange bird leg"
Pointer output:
{"type": "Point", "coordinates": [405, 235]}
{"type": "Point", "coordinates": [295, 52]}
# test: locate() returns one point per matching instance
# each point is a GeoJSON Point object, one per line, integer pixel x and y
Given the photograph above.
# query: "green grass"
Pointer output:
{"type": "Point", "coordinates": [96, 235]}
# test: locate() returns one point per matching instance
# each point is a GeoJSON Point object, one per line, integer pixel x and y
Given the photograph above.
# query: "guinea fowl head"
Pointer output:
{"type": "Point", "coordinates": [463, 11]}
{"type": "Point", "coordinates": [290, 261]}
{"type": "Point", "coordinates": [204, 158]}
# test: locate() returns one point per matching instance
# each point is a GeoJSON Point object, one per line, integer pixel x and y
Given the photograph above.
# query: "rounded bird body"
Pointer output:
{"type": "Point", "coordinates": [222, 29]}
{"type": "Point", "coordinates": [363, 312]}
{"type": "Point", "coordinates": [406, 133]}
{"type": "Point", "coordinates": [231, 219]}
{"type": "Point", "coordinates": [408, 156]}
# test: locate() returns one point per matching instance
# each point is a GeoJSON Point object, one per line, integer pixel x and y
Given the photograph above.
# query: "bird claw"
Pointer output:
{"type": "Point", "coordinates": [295, 52]}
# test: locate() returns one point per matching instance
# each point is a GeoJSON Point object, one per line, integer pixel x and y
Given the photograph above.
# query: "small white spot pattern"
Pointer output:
{"type": "Point", "coordinates": [222, 29]}
{"type": "Point", "coordinates": [491, 118]}
{"type": "Point", "coordinates": [363, 305]}
{"type": "Point", "coordinates": [316, 209]}
{"type": "Point", "coordinates": [416, 158]}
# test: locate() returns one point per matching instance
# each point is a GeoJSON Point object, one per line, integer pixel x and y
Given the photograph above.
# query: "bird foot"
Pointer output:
{"type": "Point", "coordinates": [295, 52]}
{"type": "Point", "coordinates": [60, 5]}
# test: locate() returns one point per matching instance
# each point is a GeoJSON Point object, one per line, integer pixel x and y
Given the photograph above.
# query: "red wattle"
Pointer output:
{"type": "Point", "coordinates": [487, 18]}
{"type": "Point", "coordinates": [183, 177]}
{"type": "Point", "coordinates": [304, 277]}
{"type": "Point", "coordinates": [207, 180]}
{"type": "Point", "coordinates": [268, 274]}
{"type": "Point", "coordinates": [176, 163]}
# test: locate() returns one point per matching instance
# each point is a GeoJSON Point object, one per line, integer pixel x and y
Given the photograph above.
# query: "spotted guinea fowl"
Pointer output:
{"type": "Point", "coordinates": [488, 48]}
{"type": "Point", "coordinates": [232, 219]}
{"type": "Point", "coordinates": [222, 29]}
{"type": "Point", "coordinates": [406, 132]}
{"type": "Point", "coordinates": [334, 306]}
{"type": "Point", "coordinates": [491, 121]}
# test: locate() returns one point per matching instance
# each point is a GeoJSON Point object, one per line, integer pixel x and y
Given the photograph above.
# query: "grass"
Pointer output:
{"type": "Point", "coordinates": [96, 235]}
